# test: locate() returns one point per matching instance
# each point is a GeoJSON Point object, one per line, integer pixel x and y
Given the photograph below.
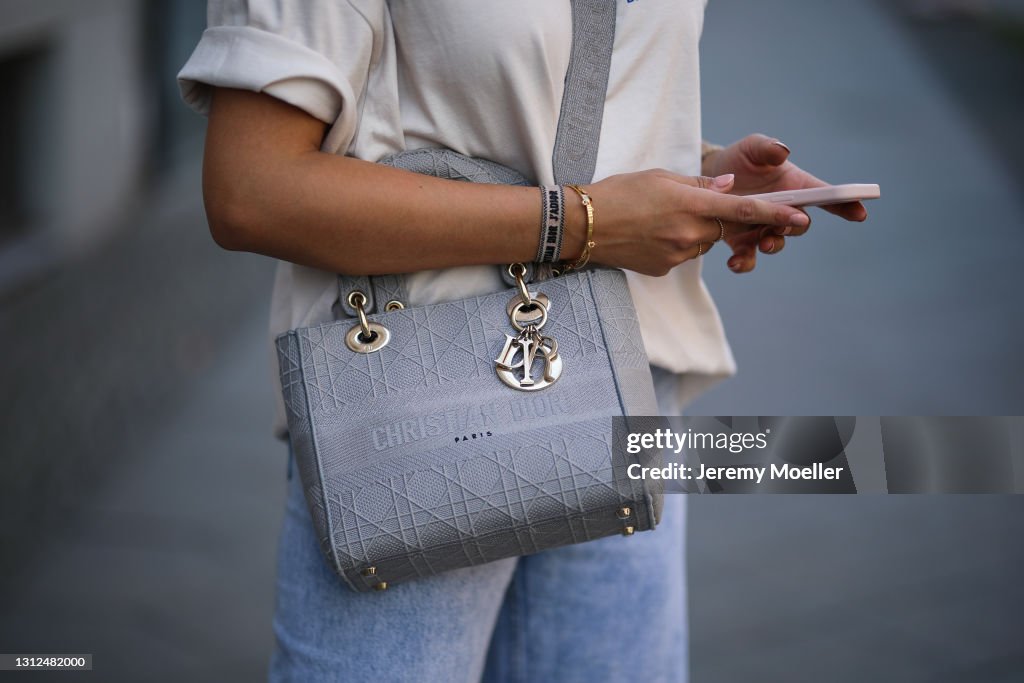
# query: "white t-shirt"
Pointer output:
{"type": "Point", "coordinates": [484, 79]}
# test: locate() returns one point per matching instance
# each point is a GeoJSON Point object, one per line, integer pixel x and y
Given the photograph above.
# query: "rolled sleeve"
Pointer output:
{"type": "Point", "coordinates": [315, 56]}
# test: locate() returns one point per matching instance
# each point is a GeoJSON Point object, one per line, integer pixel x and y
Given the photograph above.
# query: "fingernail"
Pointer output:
{"type": "Point", "coordinates": [800, 220]}
{"type": "Point", "coordinates": [781, 144]}
{"type": "Point", "coordinates": [724, 180]}
{"type": "Point", "coordinates": [782, 232]}
{"type": "Point", "coordinates": [771, 248]}
{"type": "Point", "coordinates": [733, 264]}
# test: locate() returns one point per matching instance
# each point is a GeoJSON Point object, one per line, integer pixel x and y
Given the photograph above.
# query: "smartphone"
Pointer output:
{"type": "Point", "coordinates": [822, 196]}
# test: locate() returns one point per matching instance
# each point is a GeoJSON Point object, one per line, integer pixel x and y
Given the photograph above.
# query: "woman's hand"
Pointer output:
{"type": "Point", "coordinates": [268, 189]}
{"type": "Point", "coordinates": [653, 220]}
{"type": "Point", "coordinates": [761, 164]}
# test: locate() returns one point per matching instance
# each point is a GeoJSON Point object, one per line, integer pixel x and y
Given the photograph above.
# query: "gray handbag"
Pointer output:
{"type": "Point", "coordinates": [438, 437]}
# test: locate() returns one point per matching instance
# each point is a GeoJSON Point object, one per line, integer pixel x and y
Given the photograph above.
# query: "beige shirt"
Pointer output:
{"type": "Point", "coordinates": [484, 79]}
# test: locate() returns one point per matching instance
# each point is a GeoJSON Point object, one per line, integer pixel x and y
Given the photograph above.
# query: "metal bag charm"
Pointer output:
{"type": "Point", "coordinates": [515, 365]}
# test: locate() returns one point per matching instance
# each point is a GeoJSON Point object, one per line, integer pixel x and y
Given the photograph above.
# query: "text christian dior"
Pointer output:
{"type": "Point", "coordinates": [465, 423]}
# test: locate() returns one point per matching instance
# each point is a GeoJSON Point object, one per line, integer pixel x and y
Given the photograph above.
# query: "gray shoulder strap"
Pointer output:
{"type": "Point", "coordinates": [576, 140]}
{"type": "Point", "coordinates": [586, 85]}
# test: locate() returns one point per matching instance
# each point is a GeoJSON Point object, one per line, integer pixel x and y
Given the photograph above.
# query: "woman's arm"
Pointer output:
{"type": "Point", "coordinates": [269, 189]}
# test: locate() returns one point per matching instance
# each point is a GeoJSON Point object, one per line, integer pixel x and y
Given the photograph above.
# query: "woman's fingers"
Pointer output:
{"type": "Point", "coordinates": [761, 150]}
{"type": "Point", "coordinates": [722, 183]}
{"type": "Point", "coordinates": [699, 249]}
{"type": "Point", "coordinates": [792, 231]}
{"type": "Point", "coordinates": [749, 211]}
{"type": "Point", "coordinates": [743, 259]}
{"type": "Point", "coordinates": [720, 215]}
{"type": "Point", "coordinates": [770, 243]}
{"type": "Point", "coordinates": [707, 198]}
{"type": "Point", "coordinates": [851, 211]}
{"type": "Point", "coordinates": [746, 247]}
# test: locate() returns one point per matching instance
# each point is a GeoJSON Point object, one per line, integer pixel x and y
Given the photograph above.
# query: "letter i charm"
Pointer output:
{"type": "Point", "coordinates": [528, 313]}
{"type": "Point", "coordinates": [521, 352]}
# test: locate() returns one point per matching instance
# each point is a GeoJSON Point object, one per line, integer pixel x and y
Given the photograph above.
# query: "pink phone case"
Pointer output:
{"type": "Point", "coordinates": [822, 196]}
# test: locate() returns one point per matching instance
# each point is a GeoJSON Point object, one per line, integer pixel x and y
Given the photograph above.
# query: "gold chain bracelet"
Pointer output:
{"type": "Point", "coordinates": [588, 243]}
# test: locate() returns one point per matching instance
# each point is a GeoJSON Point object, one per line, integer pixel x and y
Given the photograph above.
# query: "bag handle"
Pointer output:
{"type": "Point", "coordinates": [573, 159]}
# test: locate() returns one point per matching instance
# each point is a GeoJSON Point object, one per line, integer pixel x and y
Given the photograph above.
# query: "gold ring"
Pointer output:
{"type": "Point", "coordinates": [721, 227]}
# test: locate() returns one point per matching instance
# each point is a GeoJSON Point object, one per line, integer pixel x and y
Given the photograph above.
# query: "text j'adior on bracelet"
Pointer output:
{"type": "Point", "coordinates": [588, 243]}
{"type": "Point", "coordinates": [552, 224]}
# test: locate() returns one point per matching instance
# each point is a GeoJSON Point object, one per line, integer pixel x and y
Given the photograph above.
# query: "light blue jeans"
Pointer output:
{"type": "Point", "coordinates": [612, 609]}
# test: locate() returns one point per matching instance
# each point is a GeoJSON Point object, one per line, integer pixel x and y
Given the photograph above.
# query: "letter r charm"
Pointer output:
{"type": "Point", "coordinates": [527, 313]}
{"type": "Point", "coordinates": [520, 353]}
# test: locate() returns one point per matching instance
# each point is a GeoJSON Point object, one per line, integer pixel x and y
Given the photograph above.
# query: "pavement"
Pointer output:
{"type": "Point", "coordinates": [165, 571]}
{"type": "Point", "coordinates": [164, 568]}
{"type": "Point", "coordinates": [917, 311]}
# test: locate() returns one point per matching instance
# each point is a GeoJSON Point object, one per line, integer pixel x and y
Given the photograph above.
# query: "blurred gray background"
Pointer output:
{"type": "Point", "coordinates": [142, 492]}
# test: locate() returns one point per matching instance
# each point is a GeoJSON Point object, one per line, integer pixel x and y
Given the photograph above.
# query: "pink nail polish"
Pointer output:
{"type": "Point", "coordinates": [724, 180]}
